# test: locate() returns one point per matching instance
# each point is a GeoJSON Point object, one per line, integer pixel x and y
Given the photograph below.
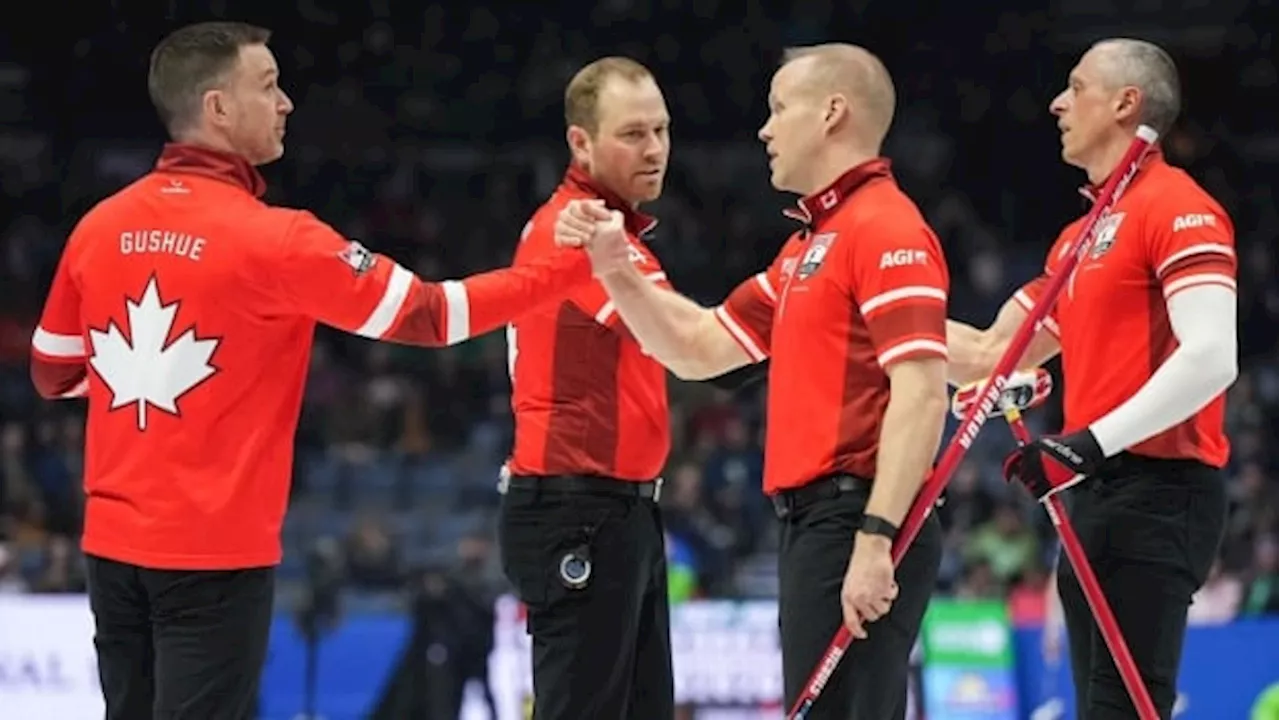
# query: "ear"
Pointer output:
{"type": "Point", "coordinates": [579, 141]}
{"type": "Point", "coordinates": [835, 111]}
{"type": "Point", "coordinates": [215, 107]}
{"type": "Point", "coordinates": [1128, 103]}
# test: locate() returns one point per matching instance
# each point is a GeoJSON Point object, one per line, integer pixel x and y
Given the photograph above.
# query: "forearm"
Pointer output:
{"type": "Point", "coordinates": [909, 438]}
{"type": "Point", "coordinates": [435, 314]}
{"type": "Point", "coordinates": [973, 354]}
{"type": "Point", "coordinates": [500, 297]}
{"type": "Point", "coordinates": [682, 335]}
{"type": "Point", "coordinates": [1200, 369]}
{"type": "Point", "coordinates": [969, 354]}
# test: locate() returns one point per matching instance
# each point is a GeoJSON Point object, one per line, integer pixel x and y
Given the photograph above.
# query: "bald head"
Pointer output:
{"type": "Point", "coordinates": [1125, 62]}
{"type": "Point", "coordinates": [851, 71]}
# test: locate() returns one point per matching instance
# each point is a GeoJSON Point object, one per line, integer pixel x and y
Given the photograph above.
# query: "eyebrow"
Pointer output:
{"type": "Point", "coordinates": [635, 124]}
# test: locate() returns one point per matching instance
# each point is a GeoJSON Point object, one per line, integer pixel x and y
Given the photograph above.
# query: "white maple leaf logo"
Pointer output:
{"type": "Point", "coordinates": [140, 368]}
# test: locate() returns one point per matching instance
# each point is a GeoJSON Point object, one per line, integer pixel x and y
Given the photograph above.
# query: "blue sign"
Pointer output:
{"type": "Point", "coordinates": [1224, 670]}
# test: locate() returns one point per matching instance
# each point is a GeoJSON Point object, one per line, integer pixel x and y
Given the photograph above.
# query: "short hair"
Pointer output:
{"type": "Point", "coordinates": [1149, 68]}
{"type": "Point", "coordinates": [858, 72]}
{"type": "Point", "coordinates": [582, 96]}
{"type": "Point", "coordinates": [190, 61]}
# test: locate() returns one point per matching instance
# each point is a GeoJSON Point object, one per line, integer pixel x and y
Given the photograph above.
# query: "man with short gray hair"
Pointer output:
{"type": "Point", "coordinates": [1147, 331]}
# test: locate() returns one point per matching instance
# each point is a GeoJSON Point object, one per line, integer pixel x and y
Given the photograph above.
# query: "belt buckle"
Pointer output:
{"type": "Point", "coordinates": [657, 489]}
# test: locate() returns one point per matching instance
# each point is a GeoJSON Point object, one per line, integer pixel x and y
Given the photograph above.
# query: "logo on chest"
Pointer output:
{"type": "Point", "coordinates": [819, 246]}
{"type": "Point", "coordinates": [1104, 237]}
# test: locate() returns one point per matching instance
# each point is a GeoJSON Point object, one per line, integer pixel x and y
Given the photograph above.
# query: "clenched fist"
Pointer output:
{"type": "Point", "coordinates": [590, 225]}
{"type": "Point", "coordinates": [577, 222]}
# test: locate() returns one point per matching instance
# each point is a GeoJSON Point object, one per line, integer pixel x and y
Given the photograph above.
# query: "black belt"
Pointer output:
{"type": "Point", "coordinates": [582, 485]}
{"type": "Point", "coordinates": [826, 487]}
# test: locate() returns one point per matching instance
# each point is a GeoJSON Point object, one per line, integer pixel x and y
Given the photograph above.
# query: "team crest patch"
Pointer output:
{"type": "Point", "coordinates": [358, 258]}
{"type": "Point", "coordinates": [1105, 236]}
{"type": "Point", "coordinates": [817, 252]}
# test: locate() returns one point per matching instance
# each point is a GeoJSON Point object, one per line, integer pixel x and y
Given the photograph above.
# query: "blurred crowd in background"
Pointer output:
{"type": "Point", "coordinates": [430, 131]}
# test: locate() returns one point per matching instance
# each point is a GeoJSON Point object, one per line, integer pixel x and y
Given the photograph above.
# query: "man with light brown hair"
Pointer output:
{"type": "Point", "coordinates": [852, 314]}
{"type": "Point", "coordinates": [579, 530]}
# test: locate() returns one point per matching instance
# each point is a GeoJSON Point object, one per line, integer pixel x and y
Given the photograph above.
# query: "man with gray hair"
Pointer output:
{"type": "Point", "coordinates": [1147, 331]}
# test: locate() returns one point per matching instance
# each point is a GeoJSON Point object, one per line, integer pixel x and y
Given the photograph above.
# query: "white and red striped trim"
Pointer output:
{"type": "Point", "coordinates": [80, 389]}
{"type": "Point", "coordinates": [762, 280]}
{"type": "Point", "coordinates": [388, 308]}
{"type": "Point", "coordinates": [739, 334]}
{"type": "Point", "coordinates": [1189, 281]}
{"type": "Point", "coordinates": [1048, 323]}
{"type": "Point", "coordinates": [57, 345]}
{"type": "Point", "coordinates": [918, 345]}
{"type": "Point", "coordinates": [910, 292]}
{"type": "Point", "coordinates": [1201, 249]}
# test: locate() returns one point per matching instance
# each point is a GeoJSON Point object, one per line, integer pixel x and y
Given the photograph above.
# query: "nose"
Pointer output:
{"type": "Point", "coordinates": [286, 104]}
{"type": "Point", "coordinates": [1058, 105]}
{"type": "Point", "coordinates": [656, 148]}
{"type": "Point", "coordinates": [764, 134]}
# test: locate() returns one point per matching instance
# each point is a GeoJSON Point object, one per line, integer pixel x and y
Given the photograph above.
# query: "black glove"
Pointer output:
{"type": "Point", "coordinates": [1054, 463]}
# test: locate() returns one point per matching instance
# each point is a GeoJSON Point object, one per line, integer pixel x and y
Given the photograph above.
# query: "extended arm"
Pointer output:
{"type": "Point", "coordinates": [677, 332]}
{"type": "Point", "coordinates": [342, 284]}
{"type": "Point", "coordinates": [975, 353]}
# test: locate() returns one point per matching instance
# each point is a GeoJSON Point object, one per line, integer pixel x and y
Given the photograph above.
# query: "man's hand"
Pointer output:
{"type": "Point", "coordinates": [869, 586]}
{"type": "Point", "coordinates": [1026, 389]}
{"type": "Point", "coordinates": [576, 223]}
{"type": "Point", "coordinates": [590, 225]}
{"type": "Point", "coordinates": [1054, 463]}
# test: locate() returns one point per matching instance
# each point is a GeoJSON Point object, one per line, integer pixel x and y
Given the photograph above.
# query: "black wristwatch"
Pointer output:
{"type": "Point", "coordinates": [876, 525]}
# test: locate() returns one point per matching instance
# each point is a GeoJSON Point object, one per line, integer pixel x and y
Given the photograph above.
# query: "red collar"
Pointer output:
{"type": "Point", "coordinates": [1153, 158]}
{"type": "Point", "coordinates": [185, 158]}
{"type": "Point", "coordinates": [817, 206]}
{"type": "Point", "coordinates": [637, 223]}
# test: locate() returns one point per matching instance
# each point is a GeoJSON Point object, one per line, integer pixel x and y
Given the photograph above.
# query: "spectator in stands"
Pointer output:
{"type": "Point", "coordinates": [372, 556]}
{"type": "Point", "coordinates": [1004, 544]}
{"type": "Point", "coordinates": [1261, 595]}
{"type": "Point", "coordinates": [687, 518]}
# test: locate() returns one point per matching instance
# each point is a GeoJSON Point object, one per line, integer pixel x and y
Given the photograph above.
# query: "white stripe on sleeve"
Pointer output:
{"type": "Point", "coordinates": [382, 317]}
{"type": "Point", "coordinates": [56, 345]}
{"type": "Point", "coordinates": [457, 308]}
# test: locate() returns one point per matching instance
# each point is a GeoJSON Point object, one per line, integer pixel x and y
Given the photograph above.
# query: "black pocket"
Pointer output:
{"type": "Point", "coordinates": [536, 531]}
{"type": "Point", "coordinates": [523, 529]}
